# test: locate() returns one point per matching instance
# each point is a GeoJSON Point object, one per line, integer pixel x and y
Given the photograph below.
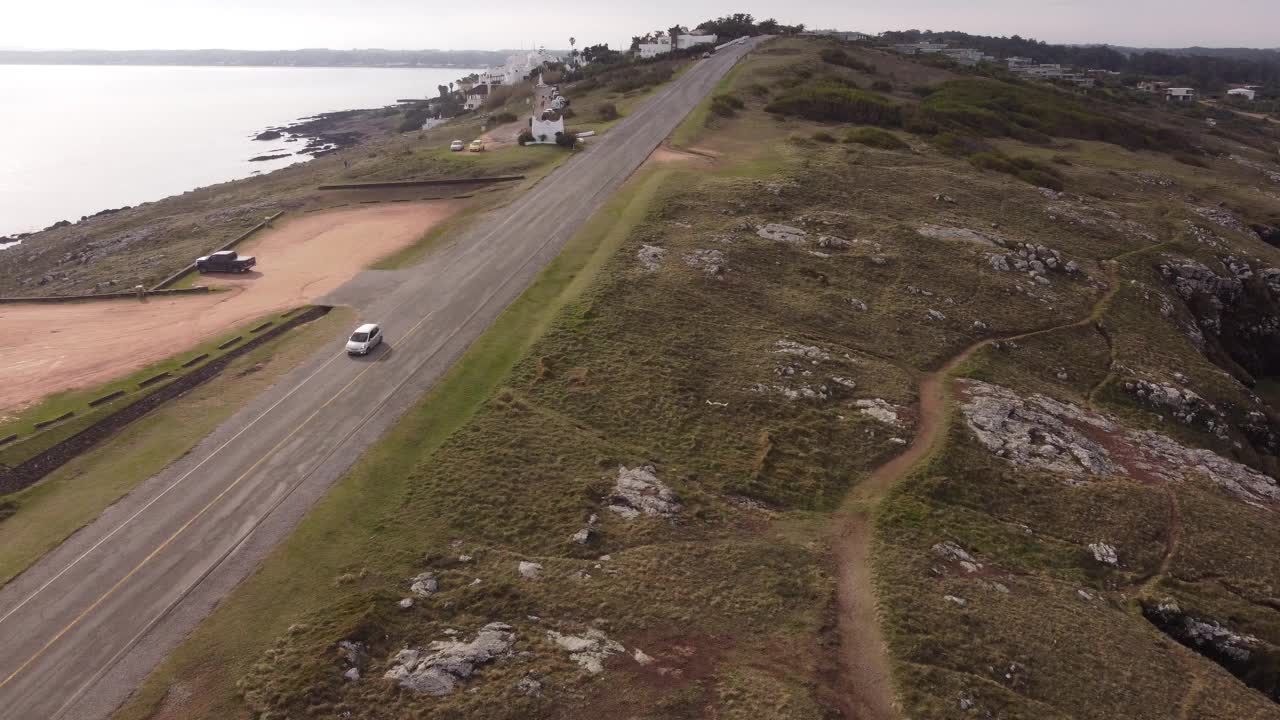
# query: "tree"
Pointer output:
{"type": "Point", "coordinates": [601, 54]}
{"type": "Point", "coordinates": [733, 26]}
{"type": "Point", "coordinates": [573, 52]}
{"type": "Point", "coordinates": [444, 90]}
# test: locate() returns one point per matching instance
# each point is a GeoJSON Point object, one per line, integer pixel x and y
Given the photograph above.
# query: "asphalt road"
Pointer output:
{"type": "Point", "coordinates": [81, 628]}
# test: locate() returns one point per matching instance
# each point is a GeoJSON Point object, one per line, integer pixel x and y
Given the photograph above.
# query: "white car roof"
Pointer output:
{"type": "Point", "coordinates": [367, 327]}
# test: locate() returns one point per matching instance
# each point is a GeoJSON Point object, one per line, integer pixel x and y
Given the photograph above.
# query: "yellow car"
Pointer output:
{"type": "Point", "coordinates": [476, 146]}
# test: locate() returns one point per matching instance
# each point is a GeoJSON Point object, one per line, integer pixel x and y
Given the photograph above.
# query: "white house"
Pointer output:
{"type": "Point", "coordinates": [683, 42]}
{"type": "Point", "coordinates": [516, 68]}
{"type": "Point", "coordinates": [544, 127]}
{"type": "Point", "coordinates": [1183, 95]}
{"type": "Point", "coordinates": [1246, 93]}
{"type": "Point", "coordinates": [476, 97]}
{"type": "Point", "coordinates": [1043, 71]}
{"type": "Point", "coordinates": [1017, 63]}
{"type": "Point", "coordinates": [966, 56]}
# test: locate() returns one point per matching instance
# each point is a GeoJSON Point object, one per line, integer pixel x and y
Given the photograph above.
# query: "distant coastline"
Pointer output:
{"type": "Point", "coordinates": [317, 58]}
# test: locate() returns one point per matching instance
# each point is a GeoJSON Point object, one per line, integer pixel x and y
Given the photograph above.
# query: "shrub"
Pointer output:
{"type": "Point", "coordinates": [876, 138]}
{"type": "Point", "coordinates": [633, 78]}
{"type": "Point", "coordinates": [992, 108]}
{"type": "Point", "coordinates": [758, 90]}
{"type": "Point", "coordinates": [1187, 158]}
{"type": "Point", "coordinates": [503, 117]}
{"type": "Point", "coordinates": [566, 139]}
{"type": "Point", "coordinates": [1023, 168]}
{"type": "Point", "coordinates": [413, 120]}
{"type": "Point", "coordinates": [608, 111]}
{"type": "Point", "coordinates": [883, 86]}
{"type": "Point", "coordinates": [836, 56]}
{"type": "Point", "coordinates": [726, 105]}
{"type": "Point", "coordinates": [993, 161]}
{"type": "Point", "coordinates": [827, 101]}
{"type": "Point", "coordinates": [525, 137]}
{"type": "Point", "coordinates": [1039, 178]}
{"type": "Point", "coordinates": [568, 113]}
{"type": "Point", "coordinates": [923, 90]}
{"type": "Point", "coordinates": [824, 136]}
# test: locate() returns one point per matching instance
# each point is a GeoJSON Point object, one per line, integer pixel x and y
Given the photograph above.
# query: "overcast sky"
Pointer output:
{"type": "Point", "coordinates": [418, 24]}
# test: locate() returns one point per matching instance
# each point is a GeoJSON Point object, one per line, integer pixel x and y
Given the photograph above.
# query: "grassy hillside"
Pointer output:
{"type": "Point", "coordinates": [747, 339]}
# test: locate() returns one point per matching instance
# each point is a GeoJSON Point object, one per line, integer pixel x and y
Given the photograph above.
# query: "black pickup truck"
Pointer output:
{"type": "Point", "coordinates": [225, 261]}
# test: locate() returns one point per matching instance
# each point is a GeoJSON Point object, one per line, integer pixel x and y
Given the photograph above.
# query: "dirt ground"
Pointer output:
{"type": "Point", "coordinates": [78, 345]}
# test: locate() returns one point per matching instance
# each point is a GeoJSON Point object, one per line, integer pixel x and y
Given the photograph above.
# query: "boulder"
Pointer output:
{"type": "Point", "coordinates": [638, 491]}
{"type": "Point", "coordinates": [441, 666]}
{"type": "Point", "coordinates": [529, 570]}
{"type": "Point", "coordinates": [783, 233]}
{"type": "Point", "coordinates": [1104, 553]}
{"type": "Point", "coordinates": [424, 584]}
{"type": "Point", "coordinates": [588, 650]}
{"type": "Point", "coordinates": [650, 257]}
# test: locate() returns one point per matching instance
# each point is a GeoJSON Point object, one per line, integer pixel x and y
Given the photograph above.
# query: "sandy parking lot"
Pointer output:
{"type": "Point", "coordinates": [52, 348]}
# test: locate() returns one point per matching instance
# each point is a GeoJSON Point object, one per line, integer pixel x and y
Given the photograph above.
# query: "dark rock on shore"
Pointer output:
{"type": "Point", "coordinates": [101, 213]}
{"type": "Point", "coordinates": [261, 158]}
{"type": "Point", "coordinates": [269, 135]}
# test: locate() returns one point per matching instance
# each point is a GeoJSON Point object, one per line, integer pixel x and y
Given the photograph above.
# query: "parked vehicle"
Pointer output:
{"type": "Point", "coordinates": [364, 339]}
{"type": "Point", "coordinates": [456, 146]}
{"type": "Point", "coordinates": [225, 261]}
{"type": "Point", "coordinates": [476, 146]}
{"type": "Point", "coordinates": [706, 55]}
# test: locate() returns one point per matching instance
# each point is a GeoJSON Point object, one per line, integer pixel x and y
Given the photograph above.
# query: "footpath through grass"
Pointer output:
{"type": "Point", "coordinates": [298, 576]}
{"type": "Point", "coordinates": [45, 514]}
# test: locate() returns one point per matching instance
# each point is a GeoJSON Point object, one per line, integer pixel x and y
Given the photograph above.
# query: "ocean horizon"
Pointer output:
{"type": "Point", "coordinates": [79, 139]}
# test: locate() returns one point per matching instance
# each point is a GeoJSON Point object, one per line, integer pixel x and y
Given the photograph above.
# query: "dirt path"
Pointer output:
{"type": "Point", "coordinates": [864, 657]}
{"type": "Point", "coordinates": [869, 693]}
{"type": "Point", "coordinates": [77, 345]}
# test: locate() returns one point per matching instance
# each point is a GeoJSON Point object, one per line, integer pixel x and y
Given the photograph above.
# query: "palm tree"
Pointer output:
{"type": "Point", "coordinates": [573, 54]}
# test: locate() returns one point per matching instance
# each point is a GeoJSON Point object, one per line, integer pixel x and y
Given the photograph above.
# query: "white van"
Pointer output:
{"type": "Point", "coordinates": [364, 339]}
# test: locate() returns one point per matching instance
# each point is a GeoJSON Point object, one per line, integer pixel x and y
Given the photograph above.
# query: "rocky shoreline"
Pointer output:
{"type": "Point", "coordinates": [320, 135]}
{"type": "Point", "coordinates": [325, 133]}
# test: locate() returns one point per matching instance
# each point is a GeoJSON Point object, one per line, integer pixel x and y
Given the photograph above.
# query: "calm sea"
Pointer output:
{"type": "Point", "coordinates": [78, 139]}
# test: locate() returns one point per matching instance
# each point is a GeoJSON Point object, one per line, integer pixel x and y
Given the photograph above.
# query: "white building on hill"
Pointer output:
{"type": "Point", "coordinates": [1246, 93]}
{"type": "Point", "coordinates": [663, 44]}
{"type": "Point", "coordinates": [516, 68]}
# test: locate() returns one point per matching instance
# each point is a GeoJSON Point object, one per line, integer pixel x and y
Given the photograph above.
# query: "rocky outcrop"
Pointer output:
{"type": "Point", "coordinates": [1044, 434]}
{"type": "Point", "coordinates": [588, 650]}
{"type": "Point", "coordinates": [879, 409]}
{"type": "Point", "coordinates": [1254, 661]}
{"type": "Point", "coordinates": [710, 262]}
{"type": "Point", "coordinates": [1037, 261]}
{"type": "Point", "coordinates": [1224, 219]}
{"type": "Point", "coordinates": [638, 491]}
{"type": "Point", "coordinates": [952, 552]}
{"type": "Point", "coordinates": [1185, 406]}
{"type": "Point", "coordinates": [442, 665]}
{"type": "Point", "coordinates": [424, 585]}
{"type": "Point", "coordinates": [800, 350]}
{"type": "Point", "coordinates": [783, 233]}
{"type": "Point", "coordinates": [650, 257]}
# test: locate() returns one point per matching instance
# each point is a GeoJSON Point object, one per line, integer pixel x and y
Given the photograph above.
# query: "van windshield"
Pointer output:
{"type": "Point", "coordinates": [359, 337]}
